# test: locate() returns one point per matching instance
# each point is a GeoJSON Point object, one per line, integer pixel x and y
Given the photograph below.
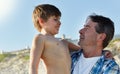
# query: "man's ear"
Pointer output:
{"type": "Point", "coordinates": [102, 36]}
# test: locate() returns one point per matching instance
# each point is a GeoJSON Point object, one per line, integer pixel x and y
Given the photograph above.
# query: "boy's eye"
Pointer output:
{"type": "Point", "coordinates": [55, 19]}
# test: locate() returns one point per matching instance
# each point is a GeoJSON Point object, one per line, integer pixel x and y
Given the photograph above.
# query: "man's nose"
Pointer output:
{"type": "Point", "coordinates": [81, 31]}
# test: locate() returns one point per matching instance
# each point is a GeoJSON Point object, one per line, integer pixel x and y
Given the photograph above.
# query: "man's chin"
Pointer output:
{"type": "Point", "coordinates": [79, 43]}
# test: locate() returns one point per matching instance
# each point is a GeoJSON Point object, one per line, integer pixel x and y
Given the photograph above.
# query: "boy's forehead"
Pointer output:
{"type": "Point", "coordinates": [55, 16]}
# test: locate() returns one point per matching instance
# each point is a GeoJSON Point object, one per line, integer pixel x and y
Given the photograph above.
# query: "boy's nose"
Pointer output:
{"type": "Point", "coordinates": [59, 23]}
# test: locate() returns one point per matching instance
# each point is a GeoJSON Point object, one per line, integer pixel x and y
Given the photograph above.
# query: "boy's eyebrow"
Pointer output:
{"type": "Point", "coordinates": [58, 17]}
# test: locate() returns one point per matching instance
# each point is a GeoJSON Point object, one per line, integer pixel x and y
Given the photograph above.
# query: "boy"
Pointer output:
{"type": "Point", "coordinates": [54, 52]}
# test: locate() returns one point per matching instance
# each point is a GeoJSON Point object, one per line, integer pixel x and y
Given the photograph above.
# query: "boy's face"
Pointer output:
{"type": "Point", "coordinates": [52, 25]}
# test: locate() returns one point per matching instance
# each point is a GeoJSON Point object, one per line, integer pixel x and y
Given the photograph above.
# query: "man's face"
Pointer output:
{"type": "Point", "coordinates": [88, 35]}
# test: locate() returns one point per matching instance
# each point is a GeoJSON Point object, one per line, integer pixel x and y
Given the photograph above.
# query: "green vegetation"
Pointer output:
{"type": "Point", "coordinates": [111, 44]}
{"type": "Point", "coordinates": [115, 48]}
{"type": "Point", "coordinates": [26, 57]}
{"type": "Point", "coordinates": [3, 56]}
{"type": "Point", "coordinates": [116, 40]}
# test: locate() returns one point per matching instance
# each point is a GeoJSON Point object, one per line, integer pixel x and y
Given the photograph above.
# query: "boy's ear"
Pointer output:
{"type": "Point", "coordinates": [41, 21]}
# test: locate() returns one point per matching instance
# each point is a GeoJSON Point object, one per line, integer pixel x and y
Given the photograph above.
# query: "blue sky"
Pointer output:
{"type": "Point", "coordinates": [16, 26]}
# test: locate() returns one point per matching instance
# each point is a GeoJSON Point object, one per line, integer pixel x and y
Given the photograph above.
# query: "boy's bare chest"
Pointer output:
{"type": "Point", "coordinates": [56, 49]}
{"type": "Point", "coordinates": [55, 43]}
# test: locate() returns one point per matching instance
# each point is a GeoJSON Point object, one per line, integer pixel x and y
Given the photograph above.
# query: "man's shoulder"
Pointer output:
{"type": "Point", "coordinates": [110, 63]}
{"type": "Point", "coordinates": [108, 60]}
{"type": "Point", "coordinates": [105, 65]}
{"type": "Point", "coordinates": [111, 66]}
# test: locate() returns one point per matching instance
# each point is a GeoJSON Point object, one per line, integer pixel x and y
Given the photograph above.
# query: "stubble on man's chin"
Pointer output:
{"type": "Point", "coordinates": [79, 43]}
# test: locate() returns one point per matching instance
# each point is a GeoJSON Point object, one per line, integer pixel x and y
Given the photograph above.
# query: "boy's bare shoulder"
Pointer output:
{"type": "Point", "coordinates": [39, 37]}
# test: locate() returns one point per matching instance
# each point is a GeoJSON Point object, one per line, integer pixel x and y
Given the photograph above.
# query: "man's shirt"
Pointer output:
{"type": "Point", "coordinates": [84, 65]}
{"type": "Point", "coordinates": [102, 66]}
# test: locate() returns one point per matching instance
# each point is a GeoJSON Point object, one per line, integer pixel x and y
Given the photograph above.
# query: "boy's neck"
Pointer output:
{"type": "Point", "coordinates": [43, 32]}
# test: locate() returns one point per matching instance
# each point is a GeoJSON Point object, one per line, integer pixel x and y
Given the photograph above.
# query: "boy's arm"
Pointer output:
{"type": "Point", "coordinates": [108, 54]}
{"type": "Point", "coordinates": [72, 46]}
{"type": "Point", "coordinates": [35, 54]}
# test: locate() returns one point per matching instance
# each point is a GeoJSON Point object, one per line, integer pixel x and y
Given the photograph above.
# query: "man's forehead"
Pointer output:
{"type": "Point", "coordinates": [89, 23]}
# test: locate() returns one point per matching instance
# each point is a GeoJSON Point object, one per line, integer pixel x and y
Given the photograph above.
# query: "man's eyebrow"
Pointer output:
{"type": "Point", "coordinates": [86, 25]}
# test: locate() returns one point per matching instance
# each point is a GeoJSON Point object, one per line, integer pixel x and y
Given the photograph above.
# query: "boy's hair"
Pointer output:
{"type": "Point", "coordinates": [105, 25]}
{"type": "Point", "coordinates": [44, 11]}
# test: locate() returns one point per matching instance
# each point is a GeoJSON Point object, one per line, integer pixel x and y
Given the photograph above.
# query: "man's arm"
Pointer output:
{"type": "Point", "coordinates": [35, 54]}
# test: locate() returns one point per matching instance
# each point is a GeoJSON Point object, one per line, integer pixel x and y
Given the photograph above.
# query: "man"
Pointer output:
{"type": "Point", "coordinates": [98, 31]}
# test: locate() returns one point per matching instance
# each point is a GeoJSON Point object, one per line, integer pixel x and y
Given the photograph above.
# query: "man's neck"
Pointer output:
{"type": "Point", "coordinates": [92, 52]}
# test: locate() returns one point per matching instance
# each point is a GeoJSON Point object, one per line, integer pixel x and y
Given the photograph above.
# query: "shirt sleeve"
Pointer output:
{"type": "Point", "coordinates": [111, 68]}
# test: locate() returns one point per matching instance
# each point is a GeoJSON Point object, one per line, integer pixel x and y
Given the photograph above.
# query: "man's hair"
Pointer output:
{"type": "Point", "coordinates": [104, 25]}
{"type": "Point", "coordinates": [44, 11]}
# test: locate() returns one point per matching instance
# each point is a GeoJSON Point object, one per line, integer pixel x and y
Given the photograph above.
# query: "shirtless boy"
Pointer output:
{"type": "Point", "coordinates": [54, 52]}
